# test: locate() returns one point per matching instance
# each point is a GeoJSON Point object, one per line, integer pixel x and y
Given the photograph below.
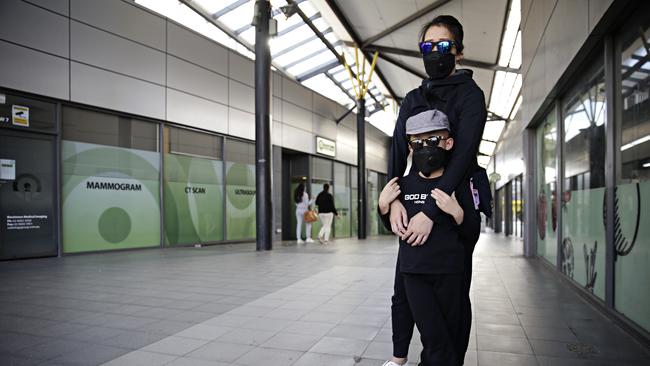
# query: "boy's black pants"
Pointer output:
{"type": "Point", "coordinates": [436, 303]}
{"type": "Point", "coordinates": [402, 319]}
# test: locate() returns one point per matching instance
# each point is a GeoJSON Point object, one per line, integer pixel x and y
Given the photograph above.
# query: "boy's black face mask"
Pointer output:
{"type": "Point", "coordinates": [430, 158]}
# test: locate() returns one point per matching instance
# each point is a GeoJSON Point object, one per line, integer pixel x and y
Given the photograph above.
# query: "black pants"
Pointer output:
{"type": "Point", "coordinates": [402, 319]}
{"type": "Point", "coordinates": [436, 302]}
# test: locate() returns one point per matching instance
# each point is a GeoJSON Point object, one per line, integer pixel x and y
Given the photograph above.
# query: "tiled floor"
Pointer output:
{"type": "Point", "coordinates": [304, 305]}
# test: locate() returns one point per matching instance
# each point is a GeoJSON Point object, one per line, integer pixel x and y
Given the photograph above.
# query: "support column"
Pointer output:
{"type": "Point", "coordinates": [263, 196]}
{"type": "Point", "coordinates": [362, 175]}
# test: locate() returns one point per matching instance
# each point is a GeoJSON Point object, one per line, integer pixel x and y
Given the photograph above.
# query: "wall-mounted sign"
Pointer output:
{"type": "Point", "coordinates": [7, 169]}
{"type": "Point", "coordinates": [20, 115]}
{"type": "Point", "coordinates": [325, 146]}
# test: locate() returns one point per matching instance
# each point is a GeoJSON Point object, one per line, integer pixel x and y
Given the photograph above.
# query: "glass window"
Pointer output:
{"type": "Point", "coordinates": [321, 173]}
{"type": "Point", "coordinates": [546, 181]}
{"type": "Point", "coordinates": [342, 192]}
{"type": "Point", "coordinates": [193, 187]}
{"type": "Point", "coordinates": [632, 204]}
{"type": "Point", "coordinates": [371, 204]}
{"type": "Point", "coordinates": [583, 192]}
{"type": "Point", "coordinates": [354, 209]}
{"type": "Point", "coordinates": [113, 162]}
{"type": "Point", "coordinates": [240, 190]}
{"type": "Point", "coordinates": [108, 129]}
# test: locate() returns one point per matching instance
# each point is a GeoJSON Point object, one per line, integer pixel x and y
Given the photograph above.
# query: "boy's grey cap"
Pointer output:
{"type": "Point", "coordinates": [427, 121]}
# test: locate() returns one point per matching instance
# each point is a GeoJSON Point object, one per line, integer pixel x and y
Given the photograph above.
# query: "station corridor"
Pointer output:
{"type": "Point", "coordinates": [296, 305]}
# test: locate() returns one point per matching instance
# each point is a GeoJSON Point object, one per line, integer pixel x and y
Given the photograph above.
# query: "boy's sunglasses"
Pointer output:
{"type": "Point", "coordinates": [442, 47]}
{"type": "Point", "coordinates": [417, 144]}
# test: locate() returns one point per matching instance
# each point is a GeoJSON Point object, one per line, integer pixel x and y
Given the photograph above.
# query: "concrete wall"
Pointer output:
{"type": "Point", "coordinates": [552, 33]}
{"type": "Point", "coordinates": [116, 55]}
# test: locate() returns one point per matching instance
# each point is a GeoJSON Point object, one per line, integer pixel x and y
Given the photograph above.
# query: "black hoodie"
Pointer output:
{"type": "Point", "coordinates": [463, 102]}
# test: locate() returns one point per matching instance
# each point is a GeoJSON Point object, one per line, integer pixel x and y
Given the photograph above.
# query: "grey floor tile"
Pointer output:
{"type": "Point", "coordinates": [132, 339]}
{"type": "Point", "coordinates": [505, 359]}
{"type": "Point", "coordinates": [92, 354]}
{"type": "Point", "coordinates": [251, 337]}
{"type": "Point", "coordinates": [178, 346]}
{"type": "Point", "coordinates": [291, 341]}
{"type": "Point", "coordinates": [359, 332]}
{"type": "Point", "coordinates": [182, 361]}
{"type": "Point", "coordinates": [220, 351]}
{"type": "Point", "coordinates": [270, 357]}
{"type": "Point", "coordinates": [503, 344]}
{"type": "Point", "coordinates": [340, 346]}
{"type": "Point", "coordinates": [141, 358]}
{"type": "Point", "coordinates": [320, 359]}
{"type": "Point", "coordinates": [207, 332]}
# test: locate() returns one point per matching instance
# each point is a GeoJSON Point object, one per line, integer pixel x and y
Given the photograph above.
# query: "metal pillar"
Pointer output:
{"type": "Point", "coordinates": [362, 177]}
{"type": "Point", "coordinates": [263, 197]}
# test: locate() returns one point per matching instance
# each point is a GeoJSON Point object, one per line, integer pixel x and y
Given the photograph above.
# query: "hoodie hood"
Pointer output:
{"type": "Point", "coordinates": [461, 76]}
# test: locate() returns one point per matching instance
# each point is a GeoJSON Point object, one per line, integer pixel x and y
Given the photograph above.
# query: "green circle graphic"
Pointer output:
{"type": "Point", "coordinates": [114, 225]}
{"type": "Point", "coordinates": [241, 180]}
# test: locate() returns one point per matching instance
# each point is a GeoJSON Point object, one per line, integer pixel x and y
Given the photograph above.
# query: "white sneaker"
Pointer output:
{"type": "Point", "coordinates": [309, 240]}
{"type": "Point", "coordinates": [391, 363]}
{"type": "Point", "coordinates": [299, 241]}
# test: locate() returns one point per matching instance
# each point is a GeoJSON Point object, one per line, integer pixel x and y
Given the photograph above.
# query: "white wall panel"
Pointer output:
{"type": "Point", "coordinates": [106, 89]}
{"type": "Point", "coordinates": [33, 71]}
{"type": "Point", "coordinates": [296, 116]}
{"type": "Point", "coordinates": [296, 93]}
{"type": "Point", "coordinates": [276, 84]}
{"type": "Point", "coordinates": [59, 6]}
{"type": "Point", "coordinates": [297, 139]}
{"type": "Point", "coordinates": [102, 49]}
{"type": "Point", "coordinates": [241, 124]}
{"type": "Point", "coordinates": [197, 112]}
{"type": "Point", "coordinates": [195, 80]}
{"type": "Point", "coordinates": [122, 18]}
{"type": "Point", "coordinates": [276, 109]}
{"type": "Point", "coordinates": [276, 133]}
{"type": "Point", "coordinates": [242, 96]}
{"type": "Point", "coordinates": [194, 48]}
{"type": "Point", "coordinates": [323, 127]}
{"type": "Point", "coordinates": [34, 27]}
{"type": "Point", "coordinates": [346, 154]}
{"type": "Point", "coordinates": [241, 69]}
{"type": "Point", "coordinates": [597, 9]}
{"type": "Point", "coordinates": [325, 107]}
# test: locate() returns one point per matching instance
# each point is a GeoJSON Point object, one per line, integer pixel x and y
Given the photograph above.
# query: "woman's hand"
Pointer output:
{"type": "Point", "coordinates": [390, 192]}
{"type": "Point", "coordinates": [448, 204]}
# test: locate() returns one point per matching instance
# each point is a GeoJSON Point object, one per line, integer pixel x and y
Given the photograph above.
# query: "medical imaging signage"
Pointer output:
{"type": "Point", "coordinates": [325, 146]}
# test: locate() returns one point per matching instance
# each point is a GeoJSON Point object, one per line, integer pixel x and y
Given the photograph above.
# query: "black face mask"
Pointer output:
{"type": "Point", "coordinates": [439, 66]}
{"type": "Point", "coordinates": [429, 159]}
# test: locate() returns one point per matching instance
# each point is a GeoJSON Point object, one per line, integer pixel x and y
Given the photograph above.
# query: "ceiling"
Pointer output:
{"type": "Point", "coordinates": [317, 37]}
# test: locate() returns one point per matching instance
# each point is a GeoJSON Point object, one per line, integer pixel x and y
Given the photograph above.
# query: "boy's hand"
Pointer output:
{"type": "Point", "coordinates": [390, 192]}
{"type": "Point", "coordinates": [398, 218]}
{"type": "Point", "coordinates": [418, 229]}
{"type": "Point", "coordinates": [448, 204]}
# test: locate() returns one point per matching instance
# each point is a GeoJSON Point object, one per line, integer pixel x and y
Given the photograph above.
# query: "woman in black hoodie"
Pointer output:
{"type": "Point", "coordinates": [457, 95]}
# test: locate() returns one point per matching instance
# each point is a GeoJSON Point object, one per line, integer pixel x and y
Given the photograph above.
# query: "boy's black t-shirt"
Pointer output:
{"type": "Point", "coordinates": [444, 251]}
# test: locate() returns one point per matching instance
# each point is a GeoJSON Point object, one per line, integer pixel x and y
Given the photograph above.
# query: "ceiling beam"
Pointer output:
{"type": "Point", "coordinates": [197, 9]}
{"type": "Point", "coordinates": [316, 71]}
{"type": "Point", "coordinates": [357, 40]}
{"type": "Point", "coordinates": [228, 8]}
{"type": "Point", "coordinates": [341, 87]}
{"type": "Point", "coordinates": [417, 54]}
{"type": "Point", "coordinates": [408, 20]}
{"type": "Point", "coordinates": [296, 45]}
{"type": "Point", "coordinates": [403, 66]}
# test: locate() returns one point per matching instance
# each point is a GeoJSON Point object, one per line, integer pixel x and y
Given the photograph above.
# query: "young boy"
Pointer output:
{"type": "Point", "coordinates": [433, 272]}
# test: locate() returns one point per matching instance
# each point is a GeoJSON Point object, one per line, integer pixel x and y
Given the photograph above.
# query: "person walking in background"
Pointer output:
{"type": "Point", "coordinates": [326, 212]}
{"type": "Point", "coordinates": [302, 205]}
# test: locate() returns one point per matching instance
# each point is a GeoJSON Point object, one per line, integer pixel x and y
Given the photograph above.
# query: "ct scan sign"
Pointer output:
{"type": "Point", "coordinates": [325, 146]}
{"type": "Point", "coordinates": [20, 115]}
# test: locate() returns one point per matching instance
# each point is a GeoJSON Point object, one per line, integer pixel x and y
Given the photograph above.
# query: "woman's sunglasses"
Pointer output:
{"type": "Point", "coordinates": [442, 47]}
{"type": "Point", "coordinates": [417, 144]}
